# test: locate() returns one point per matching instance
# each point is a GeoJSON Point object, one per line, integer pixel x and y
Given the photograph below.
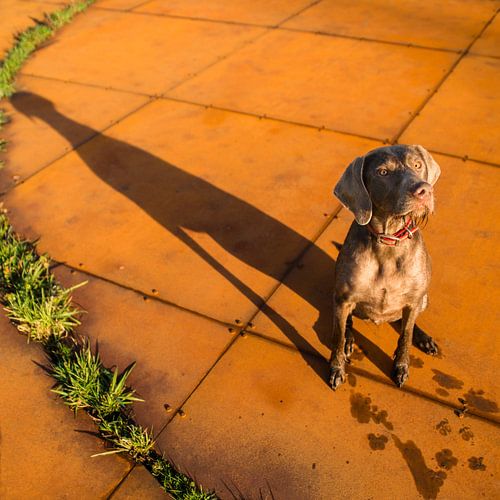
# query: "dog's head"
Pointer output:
{"type": "Point", "coordinates": [389, 181]}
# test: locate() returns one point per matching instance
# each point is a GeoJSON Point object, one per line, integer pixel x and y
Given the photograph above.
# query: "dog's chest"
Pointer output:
{"type": "Point", "coordinates": [384, 287]}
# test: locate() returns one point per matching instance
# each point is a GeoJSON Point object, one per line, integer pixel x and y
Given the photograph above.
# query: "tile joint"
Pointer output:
{"type": "Point", "coordinates": [436, 89]}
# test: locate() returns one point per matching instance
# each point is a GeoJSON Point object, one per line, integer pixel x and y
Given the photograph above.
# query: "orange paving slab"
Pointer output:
{"type": "Point", "coordinates": [263, 12]}
{"type": "Point", "coordinates": [489, 42]}
{"type": "Point", "coordinates": [33, 144]}
{"type": "Point", "coordinates": [140, 484]}
{"type": "Point", "coordinates": [264, 424]}
{"type": "Point", "coordinates": [173, 349]}
{"type": "Point", "coordinates": [348, 85]}
{"type": "Point", "coordinates": [462, 314]}
{"type": "Point", "coordinates": [16, 16]}
{"type": "Point", "coordinates": [204, 206]}
{"type": "Point", "coordinates": [462, 117]}
{"type": "Point", "coordinates": [109, 48]}
{"type": "Point", "coordinates": [46, 451]}
{"type": "Point", "coordinates": [449, 24]}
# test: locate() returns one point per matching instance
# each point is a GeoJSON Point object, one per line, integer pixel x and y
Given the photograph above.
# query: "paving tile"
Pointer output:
{"type": "Point", "coordinates": [268, 13]}
{"type": "Point", "coordinates": [451, 24]}
{"type": "Point", "coordinates": [108, 48]}
{"type": "Point", "coordinates": [348, 85]}
{"type": "Point", "coordinates": [173, 349]}
{"type": "Point", "coordinates": [41, 438]}
{"type": "Point", "coordinates": [463, 300]}
{"type": "Point", "coordinates": [17, 16]}
{"type": "Point", "coordinates": [204, 206]}
{"type": "Point", "coordinates": [32, 144]}
{"type": "Point", "coordinates": [461, 118]}
{"type": "Point", "coordinates": [489, 42]}
{"type": "Point", "coordinates": [293, 436]}
{"type": "Point", "coordinates": [138, 485]}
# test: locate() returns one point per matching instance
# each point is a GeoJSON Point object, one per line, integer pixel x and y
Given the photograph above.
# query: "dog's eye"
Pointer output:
{"type": "Point", "coordinates": [383, 171]}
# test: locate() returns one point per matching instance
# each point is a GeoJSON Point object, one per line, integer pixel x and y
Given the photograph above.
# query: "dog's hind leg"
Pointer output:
{"type": "Point", "coordinates": [420, 339]}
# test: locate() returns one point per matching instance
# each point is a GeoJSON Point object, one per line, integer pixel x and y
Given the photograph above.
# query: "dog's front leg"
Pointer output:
{"type": "Point", "coordinates": [342, 309]}
{"type": "Point", "coordinates": [401, 366]}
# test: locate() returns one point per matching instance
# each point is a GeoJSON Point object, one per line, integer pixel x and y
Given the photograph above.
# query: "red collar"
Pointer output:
{"type": "Point", "coordinates": [394, 239]}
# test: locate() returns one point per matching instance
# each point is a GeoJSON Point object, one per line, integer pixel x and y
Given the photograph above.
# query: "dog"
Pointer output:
{"type": "Point", "coordinates": [383, 268]}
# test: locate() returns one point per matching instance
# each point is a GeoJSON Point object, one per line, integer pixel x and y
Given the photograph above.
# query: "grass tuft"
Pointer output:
{"type": "Point", "coordinates": [85, 384]}
{"type": "Point", "coordinates": [43, 310]}
{"type": "Point", "coordinates": [178, 485]}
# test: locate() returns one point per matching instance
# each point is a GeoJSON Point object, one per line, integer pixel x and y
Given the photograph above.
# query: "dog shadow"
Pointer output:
{"type": "Point", "coordinates": [180, 201]}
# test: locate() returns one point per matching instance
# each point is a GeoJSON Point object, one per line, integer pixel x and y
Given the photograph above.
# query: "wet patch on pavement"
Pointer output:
{"type": "Point", "coordinates": [445, 459]}
{"type": "Point", "coordinates": [444, 427]}
{"type": "Point", "coordinates": [377, 442]}
{"type": "Point", "coordinates": [363, 411]}
{"type": "Point", "coordinates": [476, 463]}
{"type": "Point", "coordinates": [466, 433]}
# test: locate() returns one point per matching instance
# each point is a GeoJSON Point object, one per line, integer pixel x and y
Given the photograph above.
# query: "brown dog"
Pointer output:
{"type": "Point", "coordinates": [383, 269]}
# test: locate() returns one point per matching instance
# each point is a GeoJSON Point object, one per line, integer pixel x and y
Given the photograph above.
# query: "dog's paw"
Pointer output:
{"type": "Point", "coordinates": [400, 373]}
{"type": "Point", "coordinates": [425, 343]}
{"type": "Point", "coordinates": [337, 376]}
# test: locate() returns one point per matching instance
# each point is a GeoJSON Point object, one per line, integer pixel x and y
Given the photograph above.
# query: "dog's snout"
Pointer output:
{"type": "Point", "coordinates": [422, 190]}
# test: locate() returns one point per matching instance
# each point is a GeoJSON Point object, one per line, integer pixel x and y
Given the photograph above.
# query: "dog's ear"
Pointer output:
{"type": "Point", "coordinates": [352, 192]}
{"type": "Point", "coordinates": [433, 170]}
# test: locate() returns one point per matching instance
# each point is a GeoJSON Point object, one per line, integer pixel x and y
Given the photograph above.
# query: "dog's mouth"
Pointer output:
{"type": "Point", "coordinates": [418, 215]}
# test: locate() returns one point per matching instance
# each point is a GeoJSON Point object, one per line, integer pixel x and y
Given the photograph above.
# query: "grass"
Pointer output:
{"type": "Point", "coordinates": [30, 39]}
{"type": "Point", "coordinates": [42, 310]}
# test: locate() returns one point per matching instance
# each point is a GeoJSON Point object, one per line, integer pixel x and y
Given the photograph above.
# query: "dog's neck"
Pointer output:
{"type": "Point", "coordinates": [387, 224]}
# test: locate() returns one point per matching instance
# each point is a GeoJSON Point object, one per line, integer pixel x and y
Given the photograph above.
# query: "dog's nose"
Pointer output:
{"type": "Point", "coordinates": [422, 190]}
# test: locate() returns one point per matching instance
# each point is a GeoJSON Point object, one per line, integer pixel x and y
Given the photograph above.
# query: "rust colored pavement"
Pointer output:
{"type": "Point", "coordinates": [180, 155]}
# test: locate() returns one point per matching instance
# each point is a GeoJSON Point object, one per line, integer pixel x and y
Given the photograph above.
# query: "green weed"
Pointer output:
{"type": "Point", "coordinates": [30, 39]}
{"type": "Point", "coordinates": [42, 310]}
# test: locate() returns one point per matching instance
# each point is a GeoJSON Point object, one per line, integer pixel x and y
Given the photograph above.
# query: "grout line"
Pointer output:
{"type": "Point", "coordinates": [279, 26]}
{"type": "Point", "coordinates": [130, 9]}
{"type": "Point", "coordinates": [300, 255]}
{"type": "Point", "coordinates": [300, 11]}
{"type": "Point", "coordinates": [121, 481]}
{"type": "Point", "coordinates": [242, 46]}
{"type": "Point", "coordinates": [409, 45]}
{"type": "Point", "coordinates": [189, 18]}
{"type": "Point", "coordinates": [240, 329]}
{"type": "Point", "coordinates": [151, 99]}
{"type": "Point", "coordinates": [441, 82]}
{"type": "Point", "coordinates": [272, 118]}
{"type": "Point", "coordinates": [72, 148]}
{"type": "Point", "coordinates": [244, 113]}
{"type": "Point", "coordinates": [149, 296]}
{"type": "Point", "coordinates": [465, 158]}
{"type": "Point", "coordinates": [382, 379]}
{"type": "Point", "coordinates": [202, 379]}
{"type": "Point", "coordinates": [85, 84]}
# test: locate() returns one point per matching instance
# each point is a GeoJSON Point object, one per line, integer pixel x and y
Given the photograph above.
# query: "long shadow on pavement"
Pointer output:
{"type": "Point", "coordinates": [179, 200]}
